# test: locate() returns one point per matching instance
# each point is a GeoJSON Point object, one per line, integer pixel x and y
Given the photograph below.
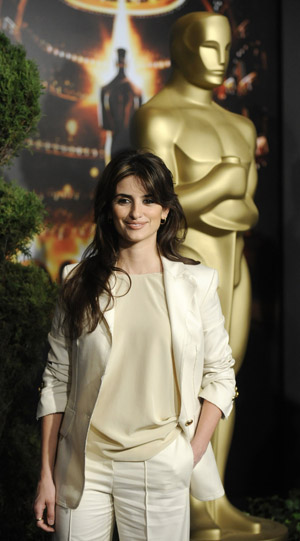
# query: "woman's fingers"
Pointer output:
{"type": "Point", "coordinates": [43, 525]}
{"type": "Point", "coordinates": [39, 508]}
{"type": "Point", "coordinates": [44, 506]}
{"type": "Point", "coordinates": [50, 513]}
{"type": "Point", "coordinates": [41, 521]}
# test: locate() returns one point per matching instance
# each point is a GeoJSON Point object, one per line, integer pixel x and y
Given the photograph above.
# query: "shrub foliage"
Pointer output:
{"type": "Point", "coordinates": [20, 89]}
{"type": "Point", "coordinates": [27, 299]}
{"type": "Point", "coordinates": [21, 217]}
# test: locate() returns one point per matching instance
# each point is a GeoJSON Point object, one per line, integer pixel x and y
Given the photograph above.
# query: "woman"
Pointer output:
{"type": "Point", "coordinates": [144, 325]}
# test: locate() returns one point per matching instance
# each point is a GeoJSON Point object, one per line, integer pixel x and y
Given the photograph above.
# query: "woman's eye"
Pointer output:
{"type": "Point", "coordinates": [122, 201]}
{"type": "Point", "coordinates": [148, 201]}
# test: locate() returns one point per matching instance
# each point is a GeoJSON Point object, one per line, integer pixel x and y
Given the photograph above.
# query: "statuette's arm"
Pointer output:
{"type": "Point", "coordinates": [224, 181]}
{"type": "Point", "coordinates": [157, 132]}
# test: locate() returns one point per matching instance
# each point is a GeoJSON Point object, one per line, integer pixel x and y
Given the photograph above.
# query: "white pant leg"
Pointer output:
{"type": "Point", "coordinates": [151, 498]}
{"type": "Point", "coordinates": [93, 519]}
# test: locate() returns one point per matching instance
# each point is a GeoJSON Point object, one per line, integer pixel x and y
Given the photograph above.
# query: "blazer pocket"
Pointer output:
{"type": "Point", "coordinates": [67, 422]}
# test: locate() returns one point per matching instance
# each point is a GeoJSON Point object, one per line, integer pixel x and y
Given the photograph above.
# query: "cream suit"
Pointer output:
{"type": "Point", "coordinates": [203, 361]}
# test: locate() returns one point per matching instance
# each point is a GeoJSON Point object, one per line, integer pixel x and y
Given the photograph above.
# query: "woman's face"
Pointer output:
{"type": "Point", "coordinates": [135, 215]}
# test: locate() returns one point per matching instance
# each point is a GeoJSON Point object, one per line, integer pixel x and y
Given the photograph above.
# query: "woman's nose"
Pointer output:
{"type": "Point", "coordinates": [135, 210]}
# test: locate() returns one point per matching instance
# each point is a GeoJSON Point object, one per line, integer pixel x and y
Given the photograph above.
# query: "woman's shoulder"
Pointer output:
{"type": "Point", "coordinates": [201, 274]}
{"type": "Point", "coordinates": [204, 275]}
{"type": "Point", "coordinates": [199, 270]}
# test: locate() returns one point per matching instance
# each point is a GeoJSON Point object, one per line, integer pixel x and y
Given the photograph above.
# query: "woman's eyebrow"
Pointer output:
{"type": "Point", "coordinates": [130, 196]}
{"type": "Point", "coordinates": [123, 195]}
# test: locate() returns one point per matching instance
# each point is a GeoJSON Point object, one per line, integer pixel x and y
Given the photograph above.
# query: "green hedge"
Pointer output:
{"type": "Point", "coordinates": [20, 89]}
{"type": "Point", "coordinates": [27, 299]}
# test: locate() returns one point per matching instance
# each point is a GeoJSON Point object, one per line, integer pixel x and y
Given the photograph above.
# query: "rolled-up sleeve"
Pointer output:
{"type": "Point", "coordinates": [218, 382]}
{"type": "Point", "coordinates": [57, 374]}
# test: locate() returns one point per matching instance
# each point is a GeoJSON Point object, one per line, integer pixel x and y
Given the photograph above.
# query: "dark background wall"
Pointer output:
{"type": "Point", "coordinates": [258, 454]}
{"type": "Point", "coordinates": [291, 234]}
{"type": "Point", "coordinates": [266, 445]}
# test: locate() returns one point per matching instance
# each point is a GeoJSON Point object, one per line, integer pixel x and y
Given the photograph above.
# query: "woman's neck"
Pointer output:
{"type": "Point", "coordinates": [135, 260]}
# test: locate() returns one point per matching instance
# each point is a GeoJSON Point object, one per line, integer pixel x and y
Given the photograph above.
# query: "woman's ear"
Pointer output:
{"type": "Point", "coordinates": [165, 213]}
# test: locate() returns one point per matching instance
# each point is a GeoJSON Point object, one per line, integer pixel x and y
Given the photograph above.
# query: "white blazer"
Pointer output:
{"type": "Point", "coordinates": [203, 360]}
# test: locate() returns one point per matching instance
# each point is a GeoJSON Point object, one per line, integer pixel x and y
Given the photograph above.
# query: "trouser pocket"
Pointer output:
{"type": "Point", "coordinates": [174, 464]}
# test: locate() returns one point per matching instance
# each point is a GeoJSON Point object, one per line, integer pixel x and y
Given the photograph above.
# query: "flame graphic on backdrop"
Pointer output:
{"type": "Point", "coordinates": [124, 36]}
{"type": "Point", "coordinates": [67, 240]}
{"type": "Point", "coordinates": [61, 244]}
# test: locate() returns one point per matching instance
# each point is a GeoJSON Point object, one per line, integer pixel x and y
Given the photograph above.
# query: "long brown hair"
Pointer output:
{"type": "Point", "coordinates": [90, 278]}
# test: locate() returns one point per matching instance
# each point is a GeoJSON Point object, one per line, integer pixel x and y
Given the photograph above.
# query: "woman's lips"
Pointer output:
{"type": "Point", "coordinates": [135, 225]}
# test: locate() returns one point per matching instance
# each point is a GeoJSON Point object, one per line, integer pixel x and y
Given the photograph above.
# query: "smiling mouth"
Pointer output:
{"type": "Point", "coordinates": [133, 225]}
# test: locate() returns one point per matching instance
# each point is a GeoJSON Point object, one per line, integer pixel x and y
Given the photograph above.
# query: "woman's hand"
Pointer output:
{"type": "Point", "coordinates": [198, 451]}
{"type": "Point", "coordinates": [208, 420]}
{"type": "Point", "coordinates": [45, 500]}
{"type": "Point", "coordinates": [45, 494]}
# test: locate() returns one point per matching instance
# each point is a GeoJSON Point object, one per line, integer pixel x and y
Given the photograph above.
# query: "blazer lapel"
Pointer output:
{"type": "Point", "coordinates": [180, 288]}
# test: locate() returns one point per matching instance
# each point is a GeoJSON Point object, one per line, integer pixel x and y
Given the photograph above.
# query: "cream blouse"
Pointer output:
{"type": "Point", "coordinates": [138, 406]}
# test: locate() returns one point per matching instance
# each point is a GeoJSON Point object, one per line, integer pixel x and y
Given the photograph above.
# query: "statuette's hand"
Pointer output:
{"type": "Point", "coordinates": [234, 177]}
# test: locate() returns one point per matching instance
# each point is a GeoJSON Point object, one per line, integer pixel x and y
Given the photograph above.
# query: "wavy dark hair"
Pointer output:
{"type": "Point", "coordinates": [90, 278]}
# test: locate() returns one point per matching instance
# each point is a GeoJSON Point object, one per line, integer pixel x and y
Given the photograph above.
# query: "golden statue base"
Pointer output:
{"type": "Point", "coordinates": [269, 531]}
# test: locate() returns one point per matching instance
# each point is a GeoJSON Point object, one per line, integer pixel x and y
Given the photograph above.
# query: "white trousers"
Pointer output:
{"type": "Point", "coordinates": [149, 500]}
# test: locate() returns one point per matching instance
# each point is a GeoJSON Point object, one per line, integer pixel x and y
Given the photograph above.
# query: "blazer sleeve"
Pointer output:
{"type": "Point", "coordinates": [218, 382]}
{"type": "Point", "coordinates": [57, 374]}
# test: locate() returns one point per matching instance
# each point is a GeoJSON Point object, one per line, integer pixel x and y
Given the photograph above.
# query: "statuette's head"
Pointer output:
{"type": "Point", "coordinates": [200, 48]}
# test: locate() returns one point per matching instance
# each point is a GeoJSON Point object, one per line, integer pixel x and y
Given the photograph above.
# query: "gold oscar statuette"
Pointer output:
{"type": "Point", "coordinates": [210, 152]}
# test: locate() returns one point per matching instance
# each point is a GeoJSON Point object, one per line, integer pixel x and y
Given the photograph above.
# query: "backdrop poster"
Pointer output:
{"type": "Point", "coordinates": [99, 60]}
